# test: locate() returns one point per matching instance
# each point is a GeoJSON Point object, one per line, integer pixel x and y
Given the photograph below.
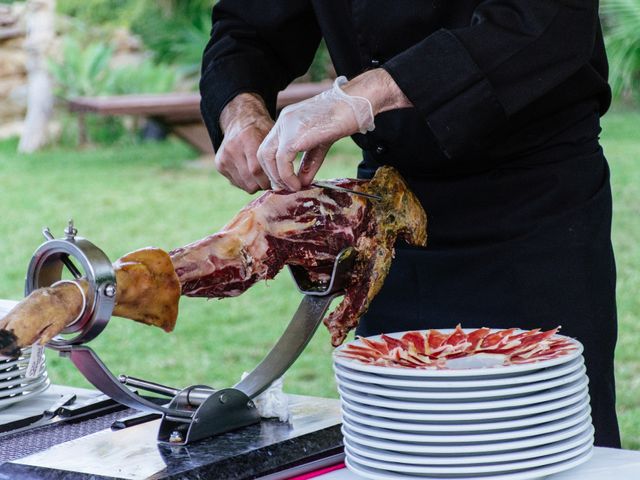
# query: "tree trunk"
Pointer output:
{"type": "Point", "coordinates": [40, 35]}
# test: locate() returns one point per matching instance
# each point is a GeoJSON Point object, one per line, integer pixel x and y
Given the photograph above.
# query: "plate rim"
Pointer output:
{"type": "Point", "coordinates": [470, 406]}
{"type": "Point", "coordinates": [495, 446]}
{"type": "Point", "coordinates": [558, 413]}
{"type": "Point", "coordinates": [504, 467]}
{"type": "Point", "coordinates": [413, 372]}
{"type": "Point", "coordinates": [468, 438]}
{"type": "Point", "coordinates": [582, 450]}
{"type": "Point", "coordinates": [579, 439]}
{"type": "Point", "coordinates": [5, 402]}
{"type": "Point", "coordinates": [462, 382]}
{"type": "Point", "coordinates": [21, 379]}
{"type": "Point", "coordinates": [520, 390]}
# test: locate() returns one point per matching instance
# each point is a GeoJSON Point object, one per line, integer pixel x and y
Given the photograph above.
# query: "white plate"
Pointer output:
{"type": "Point", "coordinates": [36, 389]}
{"type": "Point", "coordinates": [583, 438]}
{"type": "Point", "coordinates": [465, 426]}
{"type": "Point", "coordinates": [463, 382]}
{"type": "Point", "coordinates": [477, 437]}
{"type": "Point", "coordinates": [453, 470]}
{"type": "Point", "coordinates": [483, 448]}
{"type": "Point", "coordinates": [23, 360]}
{"type": "Point", "coordinates": [15, 372]}
{"type": "Point", "coordinates": [24, 386]}
{"type": "Point", "coordinates": [20, 378]}
{"type": "Point", "coordinates": [449, 405]}
{"type": "Point", "coordinates": [443, 373]}
{"type": "Point", "coordinates": [448, 394]}
{"type": "Point", "coordinates": [534, 473]}
{"type": "Point", "coordinates": [465, 416]}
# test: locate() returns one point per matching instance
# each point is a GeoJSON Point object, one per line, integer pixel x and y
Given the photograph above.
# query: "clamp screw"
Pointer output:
{"type": "Point", "coordinates": [110, 290]}
{"type": "Point", "coordinates": [70, 231]}
{"type": "Point", "coordinates": [250, 404]}
{"type": "Point", "coordinates": [47, 233]}
{"type": "Point", "coordinates": [223, 398]}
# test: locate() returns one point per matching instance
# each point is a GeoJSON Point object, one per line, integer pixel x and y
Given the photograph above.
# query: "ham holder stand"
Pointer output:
{"type": "Point", "coordinates": [197, 411]}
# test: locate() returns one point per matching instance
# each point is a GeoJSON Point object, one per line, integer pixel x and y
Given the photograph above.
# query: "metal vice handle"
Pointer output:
{"type": "Point", "coordinates": [291, 344]}
{"type": "Point", "coordinates": [301, 327]}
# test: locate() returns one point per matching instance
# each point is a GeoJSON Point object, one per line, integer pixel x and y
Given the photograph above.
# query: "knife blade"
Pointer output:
{"type": "Point", "coordinates": [35, 421]}
{"type": "Point", "coordinates": [337, 188]}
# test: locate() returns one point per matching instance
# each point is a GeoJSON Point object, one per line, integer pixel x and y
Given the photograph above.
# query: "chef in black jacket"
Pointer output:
{"type": "Point", "coordinates": [489, 108]}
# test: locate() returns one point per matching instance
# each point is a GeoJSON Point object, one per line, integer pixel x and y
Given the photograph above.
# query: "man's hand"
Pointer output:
{"type": "Point", "coordinates": [245, 123]}
{"type": "Point", "coordinates": [313, 125]}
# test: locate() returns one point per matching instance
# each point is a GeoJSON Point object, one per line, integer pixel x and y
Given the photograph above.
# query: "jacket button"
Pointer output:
{"type": "Point", "coordinates": [375, 63]}
{"type": "Point", "coordinates": [380, 149]}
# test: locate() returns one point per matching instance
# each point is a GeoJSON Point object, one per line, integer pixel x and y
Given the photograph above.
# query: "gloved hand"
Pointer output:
{"type": "Point", "coordinates": [245, 122]}
{"type": "Point", "coordinates": [312, 126]}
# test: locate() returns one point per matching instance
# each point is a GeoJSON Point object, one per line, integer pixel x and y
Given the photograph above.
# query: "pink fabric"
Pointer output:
{"type": "Point", "coordinates": [317, 473]}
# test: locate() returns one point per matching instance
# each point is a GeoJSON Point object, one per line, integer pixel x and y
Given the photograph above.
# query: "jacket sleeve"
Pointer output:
{"type": "Point", "coordinates": [469, 81]}
{"type": "Point", "coordinates": [256, 46]}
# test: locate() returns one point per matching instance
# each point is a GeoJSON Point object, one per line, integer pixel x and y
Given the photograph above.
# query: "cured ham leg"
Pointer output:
{"type": "Point", "coordinates": [307, 228]}
{"type": "Point", "coordinates": [148, 291]}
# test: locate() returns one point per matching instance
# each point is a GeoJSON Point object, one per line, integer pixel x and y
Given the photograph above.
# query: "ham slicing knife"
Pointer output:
{"type": "Point", "coordinates": [197, 411]}
{"type": "Point", "coordinates": [338, 188]}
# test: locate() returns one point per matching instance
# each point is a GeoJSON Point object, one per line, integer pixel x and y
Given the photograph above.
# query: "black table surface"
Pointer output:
{"type": "Point", "coordinates": [260, 450]}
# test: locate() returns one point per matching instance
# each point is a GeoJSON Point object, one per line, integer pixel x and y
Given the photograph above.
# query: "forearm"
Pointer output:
{"type": "Point", "coordinates": [380, 89]}
{"type": "Point", "coordinates": [244, 110]}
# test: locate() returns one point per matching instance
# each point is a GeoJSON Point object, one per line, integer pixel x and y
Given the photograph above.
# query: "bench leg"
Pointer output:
{"type": "Point", "coordinates": [82, 130]}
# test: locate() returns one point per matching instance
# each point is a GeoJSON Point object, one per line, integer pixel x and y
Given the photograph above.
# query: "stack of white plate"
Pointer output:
{"type": "Point", "coordinates": [15, 383]}
{"type": "Point", "coordinates": [512, 422]}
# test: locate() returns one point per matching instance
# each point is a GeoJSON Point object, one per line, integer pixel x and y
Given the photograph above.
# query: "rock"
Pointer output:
{"type": "Point", "coordinates": [13, 63]}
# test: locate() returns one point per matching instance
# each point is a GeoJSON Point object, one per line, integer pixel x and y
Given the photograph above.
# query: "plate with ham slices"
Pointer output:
{"type": "Point", "coordinates": [459, 352]}
{"type": "Point", "coordinates": [517, 397]}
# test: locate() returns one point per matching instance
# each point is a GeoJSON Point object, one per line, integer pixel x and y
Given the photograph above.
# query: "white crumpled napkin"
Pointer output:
{"type": "Point", "coordinates": [273, 402]}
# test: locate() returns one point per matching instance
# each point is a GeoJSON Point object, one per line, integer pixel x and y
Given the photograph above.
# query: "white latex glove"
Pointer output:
{"type": "Point", "coordinates": [311, 126]}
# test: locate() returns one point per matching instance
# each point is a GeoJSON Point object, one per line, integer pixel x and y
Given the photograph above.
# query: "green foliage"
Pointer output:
{"type": "Point", "coordinates": [320, 69]}
{"type": "Point", "coordinates": [146, 77]}
{"type": "Point", "coordinates": [622, 21]}
{"type": "Point", "coordinates": [85, 70]}
{"type": "Point", "coordinates": [97, 12]}
{"type": "Point", "coordinates": [176, 31]}
{"type": "Point", "coordinates": [180, 40]}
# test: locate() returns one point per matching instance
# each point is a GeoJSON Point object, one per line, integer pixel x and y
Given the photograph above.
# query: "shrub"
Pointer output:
{"type": "Point", "coordinates": [622, 36]}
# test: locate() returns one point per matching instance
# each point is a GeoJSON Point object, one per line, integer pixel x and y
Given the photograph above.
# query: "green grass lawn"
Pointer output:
{"type": "Point", "coordinates": [129, 196]}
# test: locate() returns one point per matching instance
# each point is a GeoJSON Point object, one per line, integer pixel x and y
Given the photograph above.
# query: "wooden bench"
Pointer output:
{"type": "Point", "coordinates": [178, 112]}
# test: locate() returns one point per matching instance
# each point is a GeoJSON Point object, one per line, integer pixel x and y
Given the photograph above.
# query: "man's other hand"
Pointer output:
{"type": "Point", "coordinates": [245, 123]}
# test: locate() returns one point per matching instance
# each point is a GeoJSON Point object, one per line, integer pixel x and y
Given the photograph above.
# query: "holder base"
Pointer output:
{"type": "Point", "coordinates": [223, 411]}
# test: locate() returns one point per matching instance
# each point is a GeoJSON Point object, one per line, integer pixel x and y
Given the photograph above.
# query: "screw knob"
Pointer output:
{"type": "Point", "coordinates": [110, 290]}
{"type": "Point", "coordinates": [71, 231]}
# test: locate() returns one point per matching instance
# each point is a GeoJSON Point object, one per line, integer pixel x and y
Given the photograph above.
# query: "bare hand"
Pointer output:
{"type": "Point", "coordinates": [245, 122]}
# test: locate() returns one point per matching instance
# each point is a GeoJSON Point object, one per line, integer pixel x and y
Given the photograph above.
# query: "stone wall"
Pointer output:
{"type": "Point", "coordinates": [13, 71]}
{"type": "Point", "coordinates": [128, 50]}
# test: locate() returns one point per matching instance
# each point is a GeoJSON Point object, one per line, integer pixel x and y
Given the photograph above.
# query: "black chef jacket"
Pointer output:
{"type": "Point", "coordinates": [501, 148]}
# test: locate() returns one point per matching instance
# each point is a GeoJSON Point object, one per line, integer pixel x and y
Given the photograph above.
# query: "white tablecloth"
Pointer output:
{"type": "Point", "coordinates": [606, 464]}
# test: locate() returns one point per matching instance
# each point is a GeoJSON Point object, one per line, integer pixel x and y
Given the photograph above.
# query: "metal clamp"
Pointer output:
{"type": "Point", "coordinates": [45, 269]}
